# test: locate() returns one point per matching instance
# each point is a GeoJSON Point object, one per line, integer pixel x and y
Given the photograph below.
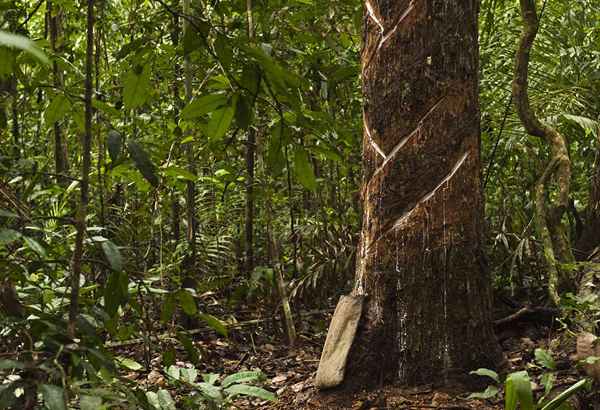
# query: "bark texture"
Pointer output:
{"type": "Point", "coordinates": [426, 316]}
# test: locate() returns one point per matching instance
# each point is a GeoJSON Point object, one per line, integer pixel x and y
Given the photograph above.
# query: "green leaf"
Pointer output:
{"type": "Point", "coordinates": [250, 79]}
{"type": "Point", "coordinates": [8, 214]}
{"type": "Point", "coordinates": [9, 235]}
{"type": "Point", "coordinates": [189, 375]}
{"type": "Point", "coordinates": [189, 347]}
{"type": "Point", "coordinates": [243, 377]}
{"type": "Point", "coordinates": [90, 402]}
{"type": "Point", "coordinates": [487, 373]}
{"type": "Point", "coordinates": [565, 395]}
{"type": "Point", "coordinates": [113, 255]}
{"type": "Point", "coordinates": [245, 390]}
{"type": "Point", "coordinates": [129, 363]}
{"type": "Point", "coordinates": [54, 397]}
{"type": "Point", "coordinates": [114, 142]}
{"type": "Point", "coordinates": [223, 50]}
{"type": "Point", "coordinates": [210, 391]}
{"type": "Point", "coordinates": [153, 399]}
{"type": "Point", "coordinates": [11, 364]}
{"type": "Point", "coordinates": [179, 172]}
{"type": "Point", "coordinates": [275, 154]}
{"type": "Point", "coordinates": [210, 378]}
{"type": "Point", "coordinates": [203, 105]}
{"type": "Point", "coordinates": [143, 163]}
{"type": "Point", "coordinates": [187, 302]}
{"type": "Point", "coordinates": [214, 323]}
{"type": "Point", "coordinates": [35, 246]}
{"type": "Point", "coordinates": [192, 39]}
{"type": "Point", "coordinates": [115, 292]}
{"type": "Point", "coordinates": [303, 169]}
{"type": "Point", "coordinates": [136, 87]}
{"type": "Point", "coordinates": [107, 109]}
{"type": "Point", "coordinates": [57, 109]}
{"type": "Point", "coordinates": [488, 393]}
{"type": "Point", "coordinates": [244, 112]}
{"type": "Point", "coordinates": [518, 391]}
{"type": "Point", "coordinates": [168, 309]}
{"type": "Point", "coordinates": [169, 356]}
{"type": "Point", "coordinates": [23, 43]}
{"type": "Point", "coordinates": [220, 121]}
{"type": "Point", "coordinates": [174, 372]}
{"type": "Point", "coordinates": [165, 400]}
{"type": "Point", "coordinates": [545, 359]}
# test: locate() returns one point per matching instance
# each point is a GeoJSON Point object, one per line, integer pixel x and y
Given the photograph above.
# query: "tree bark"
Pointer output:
{"type": "Point", "coordinates": [426, 316]}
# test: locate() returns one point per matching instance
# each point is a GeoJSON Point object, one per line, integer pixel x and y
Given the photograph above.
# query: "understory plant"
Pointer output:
{"type": "Point", "coordinates": [518, 392]}
{"type": "Point", "coordinates": [212, 393]}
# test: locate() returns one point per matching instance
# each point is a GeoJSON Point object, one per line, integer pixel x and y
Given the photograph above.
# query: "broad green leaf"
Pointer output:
{"type": "Point", "coordinates": [250, 79]}
{"type": "Point", "coordinates": [136, 87]}
{"type": "Point", "coordinates": [210, 391]}
{"type": "Point", "coordinates": [187, 302]}
{"type": "Point", "coordinates": [189, 347]}
{"type": "Point", "coordinates": [104, 107]}
{"type": "Point", "coordinates": [168, 308]}
{"type": "Point", "coordinates": [54, 397]}
{"type": "Point", "coordinates": [8, 214]}
{"type": "Point", "coordinates": [169, 356]}
{"type": "Point", "coordinates": [11, 364]}
{"type": "Point", "coordinates": [129, 363]}
{"type": "Point", "coordinates": [244, 112]}
{"type": "Point", "coordinates": [243, 377]}
{"type": "Point", "coordinates": [165, 400]}
{"type": "Point", "coordinates": [174, 372]}
{"type": "Point", "coordinates": [275, 152]}
{"type": "Point", "coordinates": [179, 172]}
{"type": "Point", "coordinates": [214, 323]}
{"type": "Point", "coordinates": [303, 169]}
{"type": "Point", "coordinates": [210, 378]}
{"type": "Point", "coordinates": [57, 109]}
{"type": "Point", "coordinates": [518, 391]}
{"type": "Point", "coordinates": [565, 395]}
{"type": "Point", "coordinates": [9, 235]}
{"type": "Point", "coordinates": [194, 39]}
{"type": "Point", "coordinates": [90, 402]}
{"type": "Point", "coordinates": [223, 50]}
{"type": "Point", "coordinates": [487, 373]}
{"type": "Point", "coordinates": [113, 255]}
{"type": "Point", "coordinates": [544, 358]}
{"type": "Point", "coordinates": [220, 121]}
{"type": "Point", "coordinates": [245, 390]}
{"type": "Point", "coordinates": [203, 105]}
{"type": "Point", "coordinates": [153, 399]}
{"type": "Point", "coordinates": [23, 43]}
{"type": "Point", "coordinates": [35, 246]}
{"type": "Point", "coordinates": [143, 163]}
{"type": "Point", "coordinates": [189, 375]}
{"type": "Point", "coordinates": [488, 393]}
{"type": "Point", "coordinates": [115, 292]}
{"type": "Point", "coordinates": [114, 142]}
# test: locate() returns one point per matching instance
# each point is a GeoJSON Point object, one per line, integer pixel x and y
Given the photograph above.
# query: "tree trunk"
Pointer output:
{"type": "Point", "coordinates": [426, 314]}
{"type": "Point", "coordinates": [55, 25]}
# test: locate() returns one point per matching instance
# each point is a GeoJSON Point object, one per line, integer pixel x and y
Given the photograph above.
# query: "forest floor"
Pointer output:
{"type": "Point", "coordinates": [290, 371]}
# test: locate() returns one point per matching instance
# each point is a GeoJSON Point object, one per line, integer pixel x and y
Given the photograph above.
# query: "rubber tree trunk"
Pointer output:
{"type": "Point", "coordinates": [420, 265]}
